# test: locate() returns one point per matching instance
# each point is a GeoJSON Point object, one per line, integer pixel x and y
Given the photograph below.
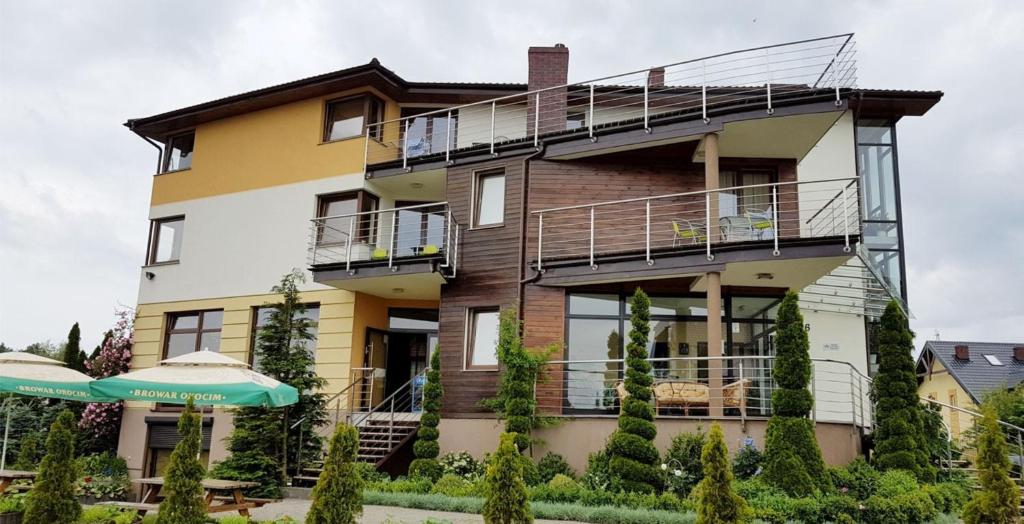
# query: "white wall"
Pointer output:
{"type": "Point", "coordinates": [834, 156]}
{"type": "Point", "coordinates": [840, 337]}
{"type": "Point", "coordinates": [240, 243]}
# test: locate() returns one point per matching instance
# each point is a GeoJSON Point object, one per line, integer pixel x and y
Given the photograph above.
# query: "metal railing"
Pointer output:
{"type": "Point", "coordinates": [698, 220]}
{"type": "Point", "coordinates": [962, 450]}
{"type": "Point", "coordinates": [386, 237]}
{"type": "Point", "coordinates": [405, 404]}
{"type": "Point", "coordinates": [756, 78]}
{"type": "Point", "coordinates": [706, 387]}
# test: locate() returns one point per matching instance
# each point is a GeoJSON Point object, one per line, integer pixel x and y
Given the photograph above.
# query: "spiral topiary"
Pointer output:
{"type": "Point", "coordinates": [426, 447]}
{"type": "Point", "coordinates": [631, 451]}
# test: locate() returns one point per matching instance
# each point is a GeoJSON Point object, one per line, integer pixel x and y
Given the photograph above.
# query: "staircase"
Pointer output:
{"type": "Point", "coordinates": [383, 428]}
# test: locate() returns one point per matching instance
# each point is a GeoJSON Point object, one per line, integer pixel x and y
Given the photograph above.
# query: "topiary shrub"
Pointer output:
{"type": "Point", "coordinates": [999, 498]}
{"type": "Point", "coordinates": [684, 454]}
{"type": "Point", "coordinates": [792, 458]}
{"type": "Point", "coordinates": [748, 460]}
{"type": "Point", "coordinates": [53, 498]}
{"type": "Point", "coordinates": [717, 503]}
{"type": "Point", "coordinates": [552, 465]}
{"type": "Point", "coordinates": [184, 502]}
{"type": "Point", "coordinates": [426, 447]}
{"type": "Point", "coordinates": [900, 438]}
{"type": "Point", "coordinates": [338, 495]}
{"type": "Point", "coordinates": [461, 464]}
{"type": "Point", "coordinates": [633, 457]}
{"type": "Point", "coordinates": [506, 500]}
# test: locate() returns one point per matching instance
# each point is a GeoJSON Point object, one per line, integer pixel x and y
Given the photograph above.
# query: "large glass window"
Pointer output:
{"type": "Point", "coordinates": [427, 132]}
{"type": "Point", "coordinates": [339, 210]}
{"type": "Point", "coordinates": [193, 331]}
{"type": "Point", "coordinates": [418, 228]}
{"type": "Point", "coordinates": [261, 316]}
{"type": "Point", "coordinates": [349, 117]}
{"type": "Point", "coordinates": [490, 198]}
{"type": "Point", "coordinates": [876, 162]}
{"type": "Point", "coordinates": [165, 240]}
{"type": "Point", "coordinates": [178, 152]}
{"type": "Point", "coordinates": [483, 338]}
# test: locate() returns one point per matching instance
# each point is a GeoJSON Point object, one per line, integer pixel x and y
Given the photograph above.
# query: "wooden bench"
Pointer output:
{"type": "Point", "coordinates": [141, 507]}
{"type": "Point", "coordinates": [258, 503]}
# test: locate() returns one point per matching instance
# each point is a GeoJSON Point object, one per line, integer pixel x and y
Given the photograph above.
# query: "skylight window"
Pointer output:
{"type": "Point", "coordinates": [993, 360]}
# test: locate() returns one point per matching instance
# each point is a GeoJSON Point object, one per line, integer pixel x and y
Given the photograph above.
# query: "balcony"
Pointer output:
{"type": "Point", "coordinates": [669, 234]}
{"type": "Point", "coordinates": [655, 105]}
{"type": "Point", "coordinates": [404, 252]}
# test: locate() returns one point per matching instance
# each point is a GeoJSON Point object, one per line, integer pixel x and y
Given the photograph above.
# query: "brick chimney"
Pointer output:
{"type": "Point", "coordinates": [962, 352]}
{"type": "Point", "coordinates": [549, 67]}
{"type": "Point", "coordinates": [656, 77]}
{"type": "Point", "coordinates": [1018, 353]}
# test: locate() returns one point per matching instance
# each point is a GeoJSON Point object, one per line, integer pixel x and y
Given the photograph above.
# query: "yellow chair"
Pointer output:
{"type": "Point", "coordinates": [429, 249]}
{"type": "Point", "coordinates": [379, 253]}
{"type": "Point", "coordinates": [689, 230]}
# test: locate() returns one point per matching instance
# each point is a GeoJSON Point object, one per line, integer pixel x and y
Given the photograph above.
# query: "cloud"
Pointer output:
{"type": "Point", "coordinates": [74, 184]}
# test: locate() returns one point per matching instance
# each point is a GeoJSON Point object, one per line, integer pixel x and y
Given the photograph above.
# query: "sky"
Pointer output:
{"type": "Point", "coordinates": [75, 184]}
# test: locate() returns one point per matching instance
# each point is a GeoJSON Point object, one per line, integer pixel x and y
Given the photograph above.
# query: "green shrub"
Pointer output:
{"type": "Point", "coordinates": [717, 503]}
{"type": "Point", "coordinates": [12, 504]}
{"type": "Point", "coordinates": [900, 438]}
{"type": "Point", "coordinates": [909, 508]}
{"type": "Point", "coordinates": [461, 464]}
{"type": "Point", "coordinates": [28, 452]}
{"type": "Point", "coordinates": [857, 479]}
{"type": "Point", "coordinates": [53, 498]}
{"type": "Point", "coordinates": [999, 497]}
{"type": "Point", "coordinates": [369, 472]}
{"type": "Point", "coordinates": [748, 460]}
{"type": "Point", "coordinates": [337, 497]}
{"type": "Point", "coordinates": [684, 454]}
{"type": "Point", "coordinates": [426, 449]}
{"type": "Point", "coordinates": [896, 482]}
{"type": "Point", "coordinates": [506, 499]}
{"type": "Point", "coordinates": [754, 489]}
{"type": "Point", "coordinates": [454, 486]}
{"type": "Point", "coordinates": [184, 502]}
{"type": "Point", "coordinates": [552, 465]}
{"type": "Point", "coordinates": [402, 485]}
{"type": "Point", "coordinates": [792, 458]}
{"type": "Point", "coordinates": [948, 497]}
{"type": "Point", "coordinates": [597, 476]}
{"type": "Point", "coordinates": [107, 515]}
{"type": "Point", "coordinates": [560, 489]}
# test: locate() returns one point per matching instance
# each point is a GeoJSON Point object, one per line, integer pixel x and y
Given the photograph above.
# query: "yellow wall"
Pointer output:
{"type": "Point", "coordinates": [373, 312]}
{"type": "Point", "coordinates": [943, 387]}
{"type": "Point", "coordinates": [279, 145]}
{"type": "Point", "coordinates": [334, 342]}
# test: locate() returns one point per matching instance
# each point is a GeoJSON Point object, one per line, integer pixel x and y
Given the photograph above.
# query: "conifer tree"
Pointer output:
{"type": "Point", "coordinates": [998, 501]}
{"type": "Point", "coordinates": [900, 438]}
{"type": "Point", "coordinates": [263, 443]}
{"type": "Point", "coordinates": [338, 495]}
{"type": "Point", "coordinates": [507, 501]}
{"type": "Point", "coordinates": [73, 356]}
{"type": "Point", "coordinates": [53, 498]}
{"type": "Point", "coordinates": [426, 447]}
{"type": "Point", "coordinates": [633, 457]}
{"type": "Point", "coordinates": [28, 452]}
{"type": "Point", "coordinates": [717, 503]}
{"type": "Point", "coordinates": [792, 458]}
{"type": "Point", "coordinates": [183, 486]}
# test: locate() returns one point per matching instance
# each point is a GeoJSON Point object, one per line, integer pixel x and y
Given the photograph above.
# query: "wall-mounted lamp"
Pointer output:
{"type": "Point", "coordinates": [150, 275]}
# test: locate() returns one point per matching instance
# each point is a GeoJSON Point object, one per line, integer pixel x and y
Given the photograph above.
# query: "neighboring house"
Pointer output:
{"type": "Point", "coordinates": [960, 374]}
{"type": "Point", "coordinates": [422, 209]}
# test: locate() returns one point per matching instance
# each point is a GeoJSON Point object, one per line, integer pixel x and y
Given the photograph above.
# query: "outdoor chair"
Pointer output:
{"type": "Point", "coordinates": [688, 230]}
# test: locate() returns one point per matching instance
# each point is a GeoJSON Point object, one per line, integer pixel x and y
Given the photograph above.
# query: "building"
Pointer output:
{"type": "Point", "coordinates": [420, 210]}
{"type": "Point", "coordinates": [959, 374]}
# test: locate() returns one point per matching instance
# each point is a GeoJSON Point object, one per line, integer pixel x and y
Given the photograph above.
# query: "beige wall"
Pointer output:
{"type": "Point", "coordinates": [941, 386]}
{"type": "Point", "coordinates": [575, 439]}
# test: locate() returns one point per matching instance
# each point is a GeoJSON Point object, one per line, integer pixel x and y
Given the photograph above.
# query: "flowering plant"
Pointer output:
{"type": "Point", "coordinates": [102, 421]}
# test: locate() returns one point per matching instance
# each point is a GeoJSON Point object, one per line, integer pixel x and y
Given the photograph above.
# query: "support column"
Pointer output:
{"type": "Point", "coordinates": [714, 281]}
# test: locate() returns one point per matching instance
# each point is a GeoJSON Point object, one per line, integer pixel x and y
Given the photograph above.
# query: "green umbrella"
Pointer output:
{"type": "Point", "coordinates": [27, 374]}
{"type": "Point", "coordinates": [206, 377]}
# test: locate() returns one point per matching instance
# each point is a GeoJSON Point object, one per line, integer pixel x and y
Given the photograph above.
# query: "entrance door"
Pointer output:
{"type": "Point", "coordinates": [375, 356]}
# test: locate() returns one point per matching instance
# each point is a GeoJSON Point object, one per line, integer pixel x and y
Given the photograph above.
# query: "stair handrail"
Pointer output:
{"type": "Point", "coordinates": [1016, 429]}
{"type": "Point", "coordinates": [390, 400]}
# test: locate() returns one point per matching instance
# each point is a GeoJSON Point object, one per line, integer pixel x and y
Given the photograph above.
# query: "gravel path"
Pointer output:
{"type": "Point", "coordinates": [297, 508]}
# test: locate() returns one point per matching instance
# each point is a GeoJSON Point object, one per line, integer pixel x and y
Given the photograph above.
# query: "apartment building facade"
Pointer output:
{"type": "Point", "coordinates": [420, 210]}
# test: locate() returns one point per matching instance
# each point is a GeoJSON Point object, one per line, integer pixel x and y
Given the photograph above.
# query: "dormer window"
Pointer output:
{"type": "Point", "coordinates": [178, 152]}
{"type": "Point", "coordinates": [349, 117]}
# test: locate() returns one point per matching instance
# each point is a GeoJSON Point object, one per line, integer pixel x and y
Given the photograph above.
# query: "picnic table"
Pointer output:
{"type": "Point", "coordinates": [221, 495]}
{"type": "Point", "coordinates": [8, 476]}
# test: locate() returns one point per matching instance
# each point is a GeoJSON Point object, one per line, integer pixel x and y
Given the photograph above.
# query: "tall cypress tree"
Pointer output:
{"type": "Point", "coordinates": [53, 498]}
{"type": "Point", "coordinates": [998, 500]}
{"type": "Point", "coordinates": [717, 503]}
{"type": "Point", "coordinates": [900, 438]}
{"type": "Point", "coordinates": [792, 458]}
{"type": "Point", "coordinates": [631, 448]}
{"type": "Point", "coordinates": [184, 503]}
{"type": "Point", "coordinates": [506, 501]}
{"type": "Point", "coordinates": [263, 443]}
{"type": "Point", "coordinates": [426, 447]}
{"type": "Point", "coordinates": [338, 495]}
{"type": "Point", "coordinates": [73, 355]}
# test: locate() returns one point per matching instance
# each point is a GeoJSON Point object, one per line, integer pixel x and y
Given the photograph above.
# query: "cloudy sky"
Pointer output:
{"type": "Point", "coordinates": [74, 184]}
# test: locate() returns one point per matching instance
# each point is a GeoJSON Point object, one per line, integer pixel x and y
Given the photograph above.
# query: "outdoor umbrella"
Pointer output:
{"type": "Point", "coordinates": [206, 377]}
{"type": "Point", "coordinates": [27, 374]}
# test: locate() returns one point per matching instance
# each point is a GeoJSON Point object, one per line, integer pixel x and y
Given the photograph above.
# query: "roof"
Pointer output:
{"type": "Point", "coordinates": [977, 376]}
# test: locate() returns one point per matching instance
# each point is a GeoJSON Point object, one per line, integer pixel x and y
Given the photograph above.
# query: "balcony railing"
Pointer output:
{"type": "Point", "coordinates": [698, 221]}
{"type": "Point", "coordinates": [685, 387]}
{"type": "Point", "coordinates": [386, 238]}
{"type": "Point", "coordinates": [759, 78]}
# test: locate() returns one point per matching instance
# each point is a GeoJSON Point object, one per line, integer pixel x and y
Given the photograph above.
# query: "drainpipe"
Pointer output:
{"type": "Point", "coordinates": [160, 150]}
{"type": "Point", "coordinates": [524, 220]}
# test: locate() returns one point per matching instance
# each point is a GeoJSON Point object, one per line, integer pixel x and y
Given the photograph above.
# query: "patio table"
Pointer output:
{"type": "Point", "coordinates": [234, 501]}
{"type": "Point", "coordinates": [8, 476]}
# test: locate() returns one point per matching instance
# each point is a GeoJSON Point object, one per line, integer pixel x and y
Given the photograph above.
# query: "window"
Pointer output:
{"type": "Point", "coordinates": [165, 240]}
{"type": "Point", "coordinates": [427, 132]}
{"type": "Point", "coordinates": [490, 198]}
{"type": "Point", "coordinates": [190, 332]}
{"type": "Point", "coordinates": [343, 207]}
{"type": "Point", "coordinates": [993, 360]}
{"type": "Point", "coordinates": [418, 227]}
{"type": "Point", "coordinates": [744, 199]}
{"type": "Point", "coordinates": [575, 120]}
{"type": "Point", "coordinates": [178, 152]}
{"type": "Point", "coordinates": [483, 338]}
{"type": "Point", "coordinates": [262, 314]}
{"type": "Point", "coordinates": [349, 117]}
